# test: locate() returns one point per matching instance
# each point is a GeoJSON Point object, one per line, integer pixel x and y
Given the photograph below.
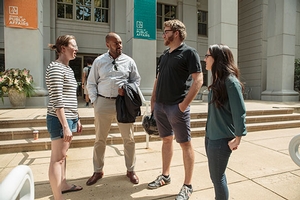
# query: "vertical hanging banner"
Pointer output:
{"type": "Point", "coordinates": [21, 14]}
{"type": "Point", "coordinates": [145, 19]}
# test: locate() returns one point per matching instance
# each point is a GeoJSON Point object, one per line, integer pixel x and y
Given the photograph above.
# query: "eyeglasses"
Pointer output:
{"type": "Point", "coordinates": [115, 65]}
{"type": "Point", "coordinates": [74, 46]}
{"type": "Point", "coordinates": [166, 31]}
{"type": "Point", "coordinates": [207, 55]}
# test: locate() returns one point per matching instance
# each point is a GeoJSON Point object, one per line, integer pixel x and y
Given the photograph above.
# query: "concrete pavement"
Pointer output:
{"type": "Point", "coordinates": [261, 169]}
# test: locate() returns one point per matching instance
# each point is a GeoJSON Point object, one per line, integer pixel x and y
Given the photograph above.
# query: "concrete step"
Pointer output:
{"type": "Point", "coordinates": [10, 146]}
{"type": "Point", "coordinates": [89, 129]}
{"type": "Point", "coordinates": [24, 145]}
{"type": "Point", "coordinates": [275, 111]}
{"type": "Point", "coordinates": [20, 123]}
{"type": "Point", "coordinates": [272, 125]}
{"type": "Point", "coordinates": [85, 140]}
{"type": "Point", "coordinates": [27, 132]}
{"type": "Point", "coordinates": [40, 120]}
{"type": "Point", "coordinates": [272, 118]}
{"type": "Point", "coordinates": [16, 135]}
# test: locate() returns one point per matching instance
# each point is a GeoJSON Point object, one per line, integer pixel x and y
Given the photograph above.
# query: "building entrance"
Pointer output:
{"type": "Point", "coordinates": [77, 65]}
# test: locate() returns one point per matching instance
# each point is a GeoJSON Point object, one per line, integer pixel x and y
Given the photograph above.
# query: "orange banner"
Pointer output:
{"type": "Point", "coordinates": [21, 13]}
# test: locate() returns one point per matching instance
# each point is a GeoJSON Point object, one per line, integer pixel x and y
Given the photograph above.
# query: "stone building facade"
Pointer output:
{"type": "Point", "coordinates": [264, 36]}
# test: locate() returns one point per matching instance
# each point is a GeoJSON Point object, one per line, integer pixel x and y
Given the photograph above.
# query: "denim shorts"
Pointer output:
{"type": "Point", "coordinates": [171, 121]}
{"type": "Point", "coordinates": [55, 128]}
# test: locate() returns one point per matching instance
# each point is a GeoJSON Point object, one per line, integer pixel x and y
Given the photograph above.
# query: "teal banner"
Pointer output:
{"type": "Point", "coordinates": [145, 19]}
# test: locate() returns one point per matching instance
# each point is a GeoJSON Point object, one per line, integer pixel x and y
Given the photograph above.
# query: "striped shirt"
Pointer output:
{"type": "Point", "coordinates": [62, 88]}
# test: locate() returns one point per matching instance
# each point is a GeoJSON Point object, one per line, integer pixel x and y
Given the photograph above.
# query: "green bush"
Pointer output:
{"type": "Point", "coordinates": [297, 75]}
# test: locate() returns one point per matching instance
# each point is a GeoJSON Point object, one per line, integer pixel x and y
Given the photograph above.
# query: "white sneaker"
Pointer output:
{"type": "Point", "coordinates": [184, 193]}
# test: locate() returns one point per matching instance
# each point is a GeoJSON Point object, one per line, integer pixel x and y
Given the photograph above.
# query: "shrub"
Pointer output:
{"type": "Point", "coordinates": [18, 79]}
{"type": "Point", "coordinates": [297, 75]}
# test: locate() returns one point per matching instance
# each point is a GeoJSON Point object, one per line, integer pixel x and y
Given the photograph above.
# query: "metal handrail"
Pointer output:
{"type": "Point", "coordinates": [18, 184]}
{"type": "Point", "coordinates": [147, 103]}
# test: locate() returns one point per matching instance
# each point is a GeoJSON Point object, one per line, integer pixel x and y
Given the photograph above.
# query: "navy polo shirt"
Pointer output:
{"type": "Point", "coordinates": [174, 71]}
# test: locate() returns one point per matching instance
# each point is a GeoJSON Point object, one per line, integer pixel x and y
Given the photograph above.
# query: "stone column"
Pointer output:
{"type": "Point", "coordinates": [119, 24]}
{"type": "Point", "coordinates": [189, 8]}
{"type": "Point", "coordinates": [25, 50]}
{"type": "Point", "coordinates": [142, 50]}
{"type": "Point", "coordinates": [281, 51]}
{"type": "Point", "coordinates": [180, 10]}
{"type": "Point", "coordinates": [223, 26]}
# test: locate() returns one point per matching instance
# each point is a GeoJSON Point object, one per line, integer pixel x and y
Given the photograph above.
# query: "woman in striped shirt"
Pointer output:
{"type": "Point", "coordinates": [62, 112]}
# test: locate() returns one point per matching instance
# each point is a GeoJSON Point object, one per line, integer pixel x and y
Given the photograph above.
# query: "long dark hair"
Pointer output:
{"type": "Point", "coordinates": [222, 67]}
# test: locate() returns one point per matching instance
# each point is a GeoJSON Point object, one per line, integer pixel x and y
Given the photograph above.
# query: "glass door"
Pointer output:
{"type": "Point", "coordinates": [77, 65]}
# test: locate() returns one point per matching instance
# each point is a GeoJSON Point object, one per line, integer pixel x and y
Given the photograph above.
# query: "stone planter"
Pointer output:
{"type": "Point", "coordinates": [17, 99]}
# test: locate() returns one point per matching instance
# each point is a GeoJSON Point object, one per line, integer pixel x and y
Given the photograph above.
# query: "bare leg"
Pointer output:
{"type": "Point", "coordinates": [188, 161]}
{"type": "Point", "coordinates": [64, 184]}
{"type": "Point", "coordinates": [167, 154]}
{"type": "Point", "coordinates": [57, 167]}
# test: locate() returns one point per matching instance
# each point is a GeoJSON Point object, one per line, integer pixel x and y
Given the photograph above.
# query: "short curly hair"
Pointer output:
{"type": "Point", "coordinates": [176, 25]}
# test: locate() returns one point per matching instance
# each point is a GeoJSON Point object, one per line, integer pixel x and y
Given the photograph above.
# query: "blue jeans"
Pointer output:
{"type": "Point", "coordinates": [218, 153]}
{"type": "Point", "coordinates": [55, 129]}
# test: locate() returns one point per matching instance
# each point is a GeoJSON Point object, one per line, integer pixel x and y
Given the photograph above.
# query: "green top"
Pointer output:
{"type": "Point", "coordinates": [229, 120]}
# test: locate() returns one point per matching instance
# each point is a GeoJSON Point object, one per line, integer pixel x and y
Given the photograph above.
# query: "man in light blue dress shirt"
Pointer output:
{"type": "Point", "coordinates": [109, 72]}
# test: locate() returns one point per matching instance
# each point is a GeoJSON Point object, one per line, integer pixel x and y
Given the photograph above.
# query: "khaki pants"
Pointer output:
{"type": "Point", "coordinates": [105, 112]}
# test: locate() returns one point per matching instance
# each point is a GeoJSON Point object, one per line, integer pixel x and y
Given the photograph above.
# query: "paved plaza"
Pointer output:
{"type": "Point", "coordinates": [261, 169]}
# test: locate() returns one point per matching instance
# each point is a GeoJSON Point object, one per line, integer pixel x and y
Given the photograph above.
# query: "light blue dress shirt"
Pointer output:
{"type": "Point", "coordinates": [106, 78]}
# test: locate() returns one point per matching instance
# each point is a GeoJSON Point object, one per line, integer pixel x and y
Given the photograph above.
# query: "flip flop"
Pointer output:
{"type": "Point", "coordinates": [74, 188]}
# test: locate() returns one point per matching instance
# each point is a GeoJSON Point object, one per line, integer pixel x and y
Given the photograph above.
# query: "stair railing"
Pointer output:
{"type": "Point", "coordinates": [147, 103]}
{"type": "Point", "coordinates": [18, 184]}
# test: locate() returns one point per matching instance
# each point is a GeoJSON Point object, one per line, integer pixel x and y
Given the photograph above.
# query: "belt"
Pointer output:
{"type": "Point", "coordinates": [107, 97]}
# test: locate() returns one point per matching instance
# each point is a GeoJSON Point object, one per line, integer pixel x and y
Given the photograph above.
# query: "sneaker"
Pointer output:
{"type": "Point", "coordinates": [159, 181]}
{"type": "Point", "coordinates": [184, 193]}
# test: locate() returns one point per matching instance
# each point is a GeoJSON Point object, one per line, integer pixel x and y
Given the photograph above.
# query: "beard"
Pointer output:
{"type": "Point", "coordinates": [119, 51]}
{"type": "Point", "coordinates": [115, 52]}
{"type": "Point", "coordinates": [169, 40]}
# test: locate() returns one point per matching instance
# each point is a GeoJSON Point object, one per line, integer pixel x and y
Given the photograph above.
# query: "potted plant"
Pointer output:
{"type": "Point", "coordinates": [18, 84]}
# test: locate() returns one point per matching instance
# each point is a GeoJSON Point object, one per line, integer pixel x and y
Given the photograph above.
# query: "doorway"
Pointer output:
{"type": "Point", "coordinates": [77, 65]}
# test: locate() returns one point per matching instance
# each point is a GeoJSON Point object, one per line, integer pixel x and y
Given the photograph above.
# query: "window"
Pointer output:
{"type": "Point", "coordinates": [1, 7]}
{"type": "Point", "coordinates": [202, 23]}
{"type": "Point", "coordinates": [165, 13]}
{"type": "Point", "coordinates": [77, 65]}
{"type": "Point", "coordinates": [65, 9]}
{"type": "Point", "coordinates": [101, 11]}
{"type": "Point", "coordinates": [83, 10]}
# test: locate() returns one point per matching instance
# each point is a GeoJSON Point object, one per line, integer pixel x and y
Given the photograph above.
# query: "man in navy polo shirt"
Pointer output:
{"type": "Point", "coordinates": [171, 96]}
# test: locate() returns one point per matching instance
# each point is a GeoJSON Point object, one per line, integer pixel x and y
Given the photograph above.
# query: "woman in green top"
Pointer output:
{"type": "Point", "coordinates": [226, 115]}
